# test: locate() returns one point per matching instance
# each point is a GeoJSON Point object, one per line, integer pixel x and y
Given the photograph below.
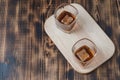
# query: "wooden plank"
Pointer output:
{"type": "Point", "coordinates": [3, 16]}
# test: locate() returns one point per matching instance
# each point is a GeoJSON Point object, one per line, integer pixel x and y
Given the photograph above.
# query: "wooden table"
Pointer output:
{"type": "Point", "coordinates": [27, 53]}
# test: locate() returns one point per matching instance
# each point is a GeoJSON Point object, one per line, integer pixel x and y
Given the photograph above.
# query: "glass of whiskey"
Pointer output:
{"type": "Point", "coordinates": [65, 17]}
{"type": "Point", "coordinates": [84, 50]}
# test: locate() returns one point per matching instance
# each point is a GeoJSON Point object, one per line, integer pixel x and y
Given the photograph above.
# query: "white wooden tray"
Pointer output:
{"type": "Point", "coordinates": [87, 28]}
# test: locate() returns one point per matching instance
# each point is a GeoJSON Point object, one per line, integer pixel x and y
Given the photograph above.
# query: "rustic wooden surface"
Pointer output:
{"type": "Point", "coordinates": [27, 53]}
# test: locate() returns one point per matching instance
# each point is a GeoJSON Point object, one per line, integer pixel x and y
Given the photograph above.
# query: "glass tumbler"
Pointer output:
{"type": "Point", "coordinates": [65, 17]}
{"type": "Point", "coordinates": [84, 50]}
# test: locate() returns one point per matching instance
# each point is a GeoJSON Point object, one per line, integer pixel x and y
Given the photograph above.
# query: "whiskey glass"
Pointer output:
{"type": "Point", "coordinates": [83, 44]}
{"type": "Point", "coordinates": [63, 10]}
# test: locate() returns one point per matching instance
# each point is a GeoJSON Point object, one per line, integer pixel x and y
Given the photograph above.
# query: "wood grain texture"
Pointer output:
{"type": "Point", "coordinates": [27, 53]}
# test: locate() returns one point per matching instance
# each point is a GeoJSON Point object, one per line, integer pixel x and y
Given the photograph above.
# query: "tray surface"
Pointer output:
{"type": "Point", "coordinates": [86, 28]}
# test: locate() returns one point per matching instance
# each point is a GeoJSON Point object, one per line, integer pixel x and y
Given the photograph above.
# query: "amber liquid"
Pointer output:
{"type": "Point", "coordinates": [89, 51]}
{"type": "Point", "coordinates": [63, 14]}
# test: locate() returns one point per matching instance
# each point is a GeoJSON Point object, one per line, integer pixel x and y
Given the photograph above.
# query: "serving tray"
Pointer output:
{"type": "Point", "coordinates": [86, 28]}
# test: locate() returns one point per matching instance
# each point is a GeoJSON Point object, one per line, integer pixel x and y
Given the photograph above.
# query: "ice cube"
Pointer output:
{"type": "Point", "coordinates": [92, 52]}
{"type": "Point", "coordinates": [67, 19]}
{"type": "Point", "coordinates": [83, 55]}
